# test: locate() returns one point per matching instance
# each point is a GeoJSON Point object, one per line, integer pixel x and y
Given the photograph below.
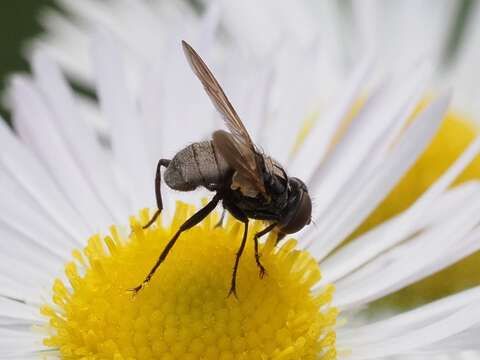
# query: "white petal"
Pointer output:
{"type": "Point", "coordinates": [34, 122]}
{"type": "Point", "coordinates": [290, 106]}
{"type": "Point", "coordinates": [461, 320]}
{"type": "Point", "coordinates": [369, 137]}
{"type": "Point", "coordinates": [404, 225]}
{"type": "Point", "coordinates": [318, 141]}
{"type": "Point", "coordinates": [363, 197]}
{"type": "Point", "coordinates": [25, 170]}
{"type": "Point", "coordinates": [246, 25]}
{"type": "Point", "coordinates": [16, 344]}
{"type": "Point", "coordinates": [425, 254]}
{"type": "Point", "coordinates": [18, 212]}
{"type": "Point", "coordinates": [80, 139]}
{"type": "Point", "coordinates": [174, 105]}
{"type": "Point", "coordinates": [137, 169]}
{"type": "Point", "coordinates": [400, 30]}
{"type": "Point", "coordinates": [19, 311]}
{"type": "Point", "coordinates": [459, 343]}
{"type": "Point", "coordinates": [67, 43]}
{"type": "Point", "coordinates": [21, 260]}
{"type": "Point", "coordinates": [408, 321]}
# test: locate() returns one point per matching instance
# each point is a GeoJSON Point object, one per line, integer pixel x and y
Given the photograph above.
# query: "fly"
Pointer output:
{"type": "Point", "coordinates": [249, 183]}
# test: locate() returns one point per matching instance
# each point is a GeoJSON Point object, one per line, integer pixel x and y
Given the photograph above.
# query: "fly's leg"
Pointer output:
{"type": "Point", "coordinates": [158, 193]}
{"type": "Point", "coordinates": [233, 287]}
{"type": "Point", "coordinates": [280, 237]}
{"type": "Point", "coordinates": [241, 216]}
{"type": "Point", "coordinates": [257, 256]}
{"type": "Point", "coordinates": [189, 223]}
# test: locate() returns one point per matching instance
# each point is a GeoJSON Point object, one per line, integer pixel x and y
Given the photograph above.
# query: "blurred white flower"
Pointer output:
{"type": "Point", "coordinates": [333, 36]}
{"type": "Point", "coordinates": [61, 184]}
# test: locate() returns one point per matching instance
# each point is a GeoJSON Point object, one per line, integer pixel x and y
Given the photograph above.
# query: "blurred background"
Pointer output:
{"type": "Point", "coordinates": [19, 21]}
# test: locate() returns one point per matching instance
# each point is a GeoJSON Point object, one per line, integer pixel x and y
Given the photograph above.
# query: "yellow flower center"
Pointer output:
{"type": "Point", "coordinates": [184, 312]}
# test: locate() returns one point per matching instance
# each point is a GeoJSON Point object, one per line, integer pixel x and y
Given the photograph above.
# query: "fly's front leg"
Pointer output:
{"type": "Point", "coordinates": [241, 216]}
{"type": "Point", "coordinates": [158, 192]}
{"type": "Point", "coordinates": [233, 287]}
{"type": "Point", "coordinates": [257, 256]}
{"type": "Point", "coordinates": [280, 237]}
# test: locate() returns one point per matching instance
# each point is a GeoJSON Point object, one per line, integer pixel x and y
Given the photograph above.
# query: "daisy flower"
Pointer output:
{"type": "Point", "coordinates": [75, 170]}
{"type": "Point", "coordinates": [448, 33]}
{"type": "Point", "coordinates": [315, 46]}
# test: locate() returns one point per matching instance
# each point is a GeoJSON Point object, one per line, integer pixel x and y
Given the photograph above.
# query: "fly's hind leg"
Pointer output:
{"type": "Point", "coordinates": [257, 256]}
{"type": "Point", "coordinates": [189, 223]}
{"type": "Point", "coordinates": [158, 193]}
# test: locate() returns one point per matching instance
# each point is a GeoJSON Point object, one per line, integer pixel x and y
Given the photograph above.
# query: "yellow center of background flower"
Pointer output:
{"type": "Point", "coordinates": [454, 136]}
{"type": "Point", "coordinates": [184, 312]}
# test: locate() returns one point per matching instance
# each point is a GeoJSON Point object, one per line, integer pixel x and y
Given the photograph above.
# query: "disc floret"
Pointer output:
{"type": "Point", "coordinates": [184, 312]}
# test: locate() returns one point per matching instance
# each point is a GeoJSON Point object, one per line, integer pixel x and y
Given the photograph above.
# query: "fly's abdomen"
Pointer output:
{"type": "Point", "coordinates": [196, 165]}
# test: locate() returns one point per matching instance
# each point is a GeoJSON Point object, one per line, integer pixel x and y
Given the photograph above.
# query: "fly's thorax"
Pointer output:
{"type": "Point", "coordinates": [274, 168]}
{"type": "Point", "coordinates": [275, 178]}
{"type": "Point", "coordinates": [196, 165]}
{"type": "Point", "coordinates": [274, 201]}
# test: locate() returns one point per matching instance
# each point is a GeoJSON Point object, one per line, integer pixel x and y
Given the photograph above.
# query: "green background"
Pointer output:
{"type": "Point", "coordinates": [18, 23]}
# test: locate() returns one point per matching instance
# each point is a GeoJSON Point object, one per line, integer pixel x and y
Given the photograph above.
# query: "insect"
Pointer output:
{"type": "Point", "coordinates": [250, 184]}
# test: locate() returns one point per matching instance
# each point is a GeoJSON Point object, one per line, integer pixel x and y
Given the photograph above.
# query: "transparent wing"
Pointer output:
{"type": "Point", "coordinates": [241, 143]}
{"type": "Point", "coordinates": [217, 96]}
{"type": "Point", "coordinates": [237, 156]}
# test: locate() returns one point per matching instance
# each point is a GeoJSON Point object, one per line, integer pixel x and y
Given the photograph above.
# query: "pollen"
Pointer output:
{"type": "Point", "coordinates": [185, 312]}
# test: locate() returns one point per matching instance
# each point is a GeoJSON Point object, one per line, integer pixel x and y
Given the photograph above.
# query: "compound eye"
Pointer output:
{"type": "Point", "coordinates": [302, 215]}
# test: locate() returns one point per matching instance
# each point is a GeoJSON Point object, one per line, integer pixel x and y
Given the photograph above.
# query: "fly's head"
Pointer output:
{"type": "Point", "coordinates": [298, 212]}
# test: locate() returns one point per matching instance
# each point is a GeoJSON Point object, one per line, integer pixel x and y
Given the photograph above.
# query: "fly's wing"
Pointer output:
{"type": "Point", "coordinates": [237, 156]}
{"type": "Point", "coordinates": [237, 147]}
